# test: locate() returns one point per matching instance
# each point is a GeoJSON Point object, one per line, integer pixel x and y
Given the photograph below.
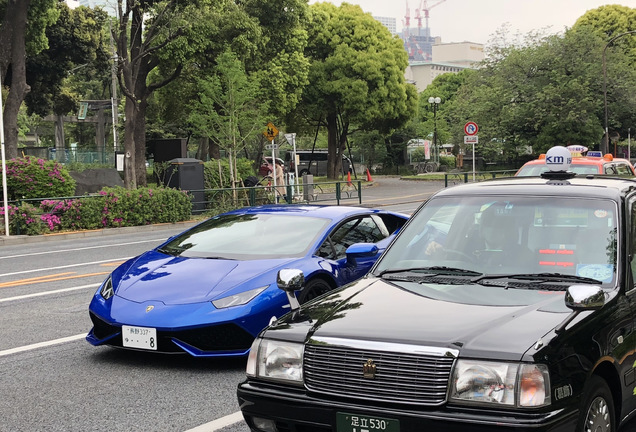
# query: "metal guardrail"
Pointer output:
{"type": "Point", "coordinates": [477, 176]}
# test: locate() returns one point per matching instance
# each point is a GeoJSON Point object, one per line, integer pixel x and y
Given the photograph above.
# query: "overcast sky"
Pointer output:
{"type": "Point", "coordinates": [477, 20]}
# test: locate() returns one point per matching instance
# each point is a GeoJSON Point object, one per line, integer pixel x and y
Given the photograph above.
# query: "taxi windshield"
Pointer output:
{"type": "Point", "coordinates": [497, 235]}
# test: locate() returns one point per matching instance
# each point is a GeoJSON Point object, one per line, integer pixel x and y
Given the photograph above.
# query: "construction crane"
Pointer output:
{"type": "Point", "coordinates": [425, 8]}
{"type": "Point", "coordinates": [407, 20]}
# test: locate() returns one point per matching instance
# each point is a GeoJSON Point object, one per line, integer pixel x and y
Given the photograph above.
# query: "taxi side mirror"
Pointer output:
{"type": "Point", "coordinates": [584, 297]}
{"type": "Point", "coordinates": [290, 281]}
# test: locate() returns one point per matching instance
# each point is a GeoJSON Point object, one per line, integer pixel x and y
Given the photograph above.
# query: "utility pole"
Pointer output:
{"type": "Point", "coordinates": [113, 99]}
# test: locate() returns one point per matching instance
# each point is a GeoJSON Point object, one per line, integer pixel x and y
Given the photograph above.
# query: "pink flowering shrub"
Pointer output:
{"type": "Point", "coordinates": [112, 207]}
{"type": "Point", "coordinates": [23, 219]}
{"type": "Point", "coordinates": [31, 177]}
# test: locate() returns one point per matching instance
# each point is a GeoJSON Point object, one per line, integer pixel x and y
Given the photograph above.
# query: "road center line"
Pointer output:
{"type": "Point", "coordinates": [8, 299]}
{"type": "Point", "coordinates": [42, 345]}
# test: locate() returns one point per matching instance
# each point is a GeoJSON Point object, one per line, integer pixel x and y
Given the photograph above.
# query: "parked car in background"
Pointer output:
{"type": "Point", "coordinates": [313, 162]}
{"type": "Point", "coordinates": [592, 163]}
{"type": "Point", "coordinates": [211, 289]}
{"type": "Point", "coordinates": [266, 168]}
{"type": "Point", "coordinates": [503, 305]}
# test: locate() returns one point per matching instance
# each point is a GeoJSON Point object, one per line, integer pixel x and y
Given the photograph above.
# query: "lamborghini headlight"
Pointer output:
{"type": "Point", "coordinates": [276, 360]}
{"type": "Point", "coordinates": [106, 290]}
{"type": "Point", "coordinates": [238, 299]}
{"type": "Point", "coordinates": [499, 383]}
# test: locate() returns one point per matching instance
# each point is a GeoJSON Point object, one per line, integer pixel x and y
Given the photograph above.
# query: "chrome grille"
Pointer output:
{"type": "Point", "coordinates": [404, 374]}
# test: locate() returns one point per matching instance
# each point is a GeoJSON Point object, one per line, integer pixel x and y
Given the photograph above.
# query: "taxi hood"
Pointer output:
{"type": "Point", "coordinates": [485, 322]}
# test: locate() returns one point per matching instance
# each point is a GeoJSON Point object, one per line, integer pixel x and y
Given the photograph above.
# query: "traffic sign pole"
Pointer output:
{"type": "Point", "coordinates": [471, 129]}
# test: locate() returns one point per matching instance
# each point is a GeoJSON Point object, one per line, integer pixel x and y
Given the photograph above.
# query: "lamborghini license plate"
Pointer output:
{"type": "Point", "coordinates": [139, 337]}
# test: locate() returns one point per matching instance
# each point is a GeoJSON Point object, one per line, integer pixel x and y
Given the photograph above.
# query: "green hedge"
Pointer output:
{"type": "Point", "coordinates": [31, 177]}
{"type": "Point", "coordinates": [112, 207]}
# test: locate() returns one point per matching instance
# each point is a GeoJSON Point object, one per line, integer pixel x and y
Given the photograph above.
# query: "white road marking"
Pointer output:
{"type": "Point", "coordinates": [42, 344]}
{"type": "Point", "coordinates": [48, 292]}
{"type": "Point", "coordinates": [218, 424]}
{"type": "Point", "coordinates": [65, 266]}
{"type": "Point", "coordinates": [83, 248]}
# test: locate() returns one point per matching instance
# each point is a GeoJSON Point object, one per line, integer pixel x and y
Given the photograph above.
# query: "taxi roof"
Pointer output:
{"type": "Point", "coordinates": [590, 186]}
{"type": "Point", "coordinates": [581, 160]}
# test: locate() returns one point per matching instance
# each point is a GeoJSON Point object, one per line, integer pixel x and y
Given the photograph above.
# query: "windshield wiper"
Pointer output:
{"type": "Point", "coordinates": [434, 270]}
{"type": "Point", "coordinates": [541, 277]}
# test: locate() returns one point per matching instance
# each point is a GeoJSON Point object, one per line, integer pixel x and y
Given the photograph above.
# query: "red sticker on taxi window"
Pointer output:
{"type": "Point", "coordinates": [600, 213]}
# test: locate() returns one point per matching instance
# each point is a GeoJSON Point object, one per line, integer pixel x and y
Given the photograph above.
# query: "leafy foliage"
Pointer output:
{"type": "Point", "coordinates": [31, 177]}
{"type": "Point", "coordinates": [216, 173]}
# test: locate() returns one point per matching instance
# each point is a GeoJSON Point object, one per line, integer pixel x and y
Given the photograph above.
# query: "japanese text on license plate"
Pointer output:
{"type": "Point", "coordinates": [139, 337]}
{"type": "Point", "coordinates": [361, 423]}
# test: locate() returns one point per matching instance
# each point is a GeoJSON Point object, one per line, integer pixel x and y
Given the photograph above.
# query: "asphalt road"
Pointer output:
{"type": "Point", "coordinates": [51, 379]}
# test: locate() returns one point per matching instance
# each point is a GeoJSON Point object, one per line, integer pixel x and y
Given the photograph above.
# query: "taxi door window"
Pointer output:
{"type": "Point", "coordinates": [610, 169]}
{"type": "Point", "coordinates": [632, 241]}
{"type": "Point", "coordinates": [623, 169]}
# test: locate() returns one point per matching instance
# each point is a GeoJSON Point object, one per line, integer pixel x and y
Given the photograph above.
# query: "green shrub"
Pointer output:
{"type": "Point", "coordinates": [144, 206]}
{"type": "Point", "coordinates": [448, 161]}
{"type": "Point", "coordinates": [23, 219]}
{"type": "Point", "coordinates": [212, 179]}
{"type": "Point", "coordinates": [31, 177]}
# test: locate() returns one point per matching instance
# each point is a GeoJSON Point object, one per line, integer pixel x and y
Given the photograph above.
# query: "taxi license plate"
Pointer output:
{"type": "Point", "coordinates": [139, 337]}
{"type": "Point", "coordinates": [361, 423]}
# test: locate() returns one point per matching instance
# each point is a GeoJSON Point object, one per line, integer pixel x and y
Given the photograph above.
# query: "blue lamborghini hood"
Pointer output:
{"type": "Point", "coordinates": [178, 280]}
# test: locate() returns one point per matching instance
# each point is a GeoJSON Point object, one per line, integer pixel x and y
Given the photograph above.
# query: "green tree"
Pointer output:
{"type": "Point", "coordinates": [21, 33]}
{"type": "Point", "coordinates": [356, 75]}
{"type": "Point", "coordinates": [75, 43]}
{"type": "Point", "coordinates": [228, 108]}
{"type": "Point", "coordinates": [269, 43]}
{"type": "Point", "coordinates": [543, 93]}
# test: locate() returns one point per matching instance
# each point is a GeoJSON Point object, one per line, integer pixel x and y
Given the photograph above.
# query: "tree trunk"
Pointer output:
{"type": "Point", "coordinates": [214, 150]}
{"type": "Point", "coordinates": [59, 138]}
{"type": "Point", "coordinates": [332, 145]}
{"type": "Point", "coordinates": [15, 17]}
{"type": "Point", "coordinates": [140, 143]}
{"type": "Point", "coordinates": [130, 180]}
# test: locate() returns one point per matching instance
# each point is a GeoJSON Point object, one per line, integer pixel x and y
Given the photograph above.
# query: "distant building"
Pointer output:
{"type": "Point", "coordinates": [460, 53]}
{"type": "Point", "coordinates": [446, 58]}
{"type": "Point", "coordinates": [388, 22]}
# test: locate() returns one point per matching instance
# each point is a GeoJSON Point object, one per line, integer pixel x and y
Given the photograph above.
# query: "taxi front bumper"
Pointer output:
{"type": "Point", "coordinates": [295, 411]}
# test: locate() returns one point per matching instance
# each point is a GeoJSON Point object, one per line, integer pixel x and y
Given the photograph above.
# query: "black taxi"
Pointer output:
{"type": "Point", "coordinates": [503, 305]}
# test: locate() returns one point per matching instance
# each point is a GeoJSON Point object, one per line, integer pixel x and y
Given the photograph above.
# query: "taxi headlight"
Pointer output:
{"type": "Point", "coordinates": [238, 299]}
{"type": "Point", "coordinates": [512, 384]}
{"type": "Point", "coordinates": [276, 361]}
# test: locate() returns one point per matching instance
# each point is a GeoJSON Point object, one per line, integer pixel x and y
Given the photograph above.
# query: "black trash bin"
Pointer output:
{"type": "Point", "coordinates": [187, 174]}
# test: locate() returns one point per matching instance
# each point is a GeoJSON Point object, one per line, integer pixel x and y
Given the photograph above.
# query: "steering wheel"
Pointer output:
{"type": "Point", "coordinates": [449, 253]}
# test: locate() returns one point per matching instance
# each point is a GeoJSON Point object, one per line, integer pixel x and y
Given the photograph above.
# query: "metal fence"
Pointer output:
{"type": "Point", "coordinates": [477, 176]}
{"type": "Point", "coordinates": [324, 192]}
{"type": "Point", "coordinates": [219, 200]}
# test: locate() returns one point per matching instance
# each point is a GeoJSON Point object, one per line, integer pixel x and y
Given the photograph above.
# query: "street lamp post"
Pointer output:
{"type": "Point", "coordinates": [435, 101]}
{"type": "Point", "coordinates": [605, 148]}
